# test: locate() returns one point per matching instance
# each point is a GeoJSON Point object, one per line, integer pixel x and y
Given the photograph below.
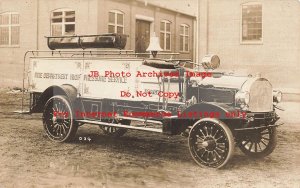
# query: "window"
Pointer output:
{"type": "Point", "coordinates": [116, 22]}
{"type": "Point", "coordinates": [62, 22]}
{"type": "Point", "coordinates": [184, 37]}
{"type": "Point", "coordinates": [9, 29]}
{"type": "Point", "coordinates": [251, 22]}
{"type": "Point", "coordinates": [165, 35]}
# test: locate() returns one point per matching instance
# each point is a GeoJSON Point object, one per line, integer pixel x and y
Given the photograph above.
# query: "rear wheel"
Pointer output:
{"type": "Point", "coordinates": [259, 143]}
{"type": "Point", "coordinates": [114, 131]}
{"type": "Point", "coordinates": [58, 119]}
{"type": "Point", "coordinates": [211, 143]}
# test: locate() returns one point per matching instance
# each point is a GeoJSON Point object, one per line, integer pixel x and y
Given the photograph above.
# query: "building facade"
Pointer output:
{"type": "Point", "coordinates": [24, 25]}
{"type": "Point", "coordinates": [252, 36]}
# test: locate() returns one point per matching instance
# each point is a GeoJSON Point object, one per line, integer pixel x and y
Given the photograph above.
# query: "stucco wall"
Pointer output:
{"type": "Point", "coordinates": [277, 58]}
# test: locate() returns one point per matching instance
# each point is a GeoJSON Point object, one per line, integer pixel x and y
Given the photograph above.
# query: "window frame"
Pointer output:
{"type": "Point", "coordinates": [241, 24]}
{"type": "Point", "coordinates": [165, 32]}
{"type": "Point", "coordinates": [184, 35]}
{"type": "Point", "coordinates": [63, 23]}
{"type": "Point", "coordinates": [10, 25]}
{"type": "Point", "coordinates": [115, 24]}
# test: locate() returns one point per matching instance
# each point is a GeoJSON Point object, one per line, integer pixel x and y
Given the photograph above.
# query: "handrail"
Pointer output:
{"type": "Point", "coordinates": [90, 53]}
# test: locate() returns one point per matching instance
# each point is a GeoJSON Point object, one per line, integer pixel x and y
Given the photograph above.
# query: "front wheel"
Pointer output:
{"type": "Point", "coordinates": [58, 119]}
{"type": "Point", "coordinates": [259, 143]}
{"type": "Point", "coordinates": [211, 143]}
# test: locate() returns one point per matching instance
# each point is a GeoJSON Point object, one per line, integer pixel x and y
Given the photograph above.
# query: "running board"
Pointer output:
{"type": "Point", "coordinates": [256, 128]}
{"type": "Point", "coordinates": [139, 119]}
{"type": "Point", "coordinates": [121, 126]}
{"type": "Point", "coordinates": [21, 112]}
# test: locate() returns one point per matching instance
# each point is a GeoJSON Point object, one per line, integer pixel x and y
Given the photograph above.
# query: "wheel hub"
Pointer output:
{"type": "Point", "coordinates": [256, 137]}
{"type": "Point", "coordinates": [209, 144]}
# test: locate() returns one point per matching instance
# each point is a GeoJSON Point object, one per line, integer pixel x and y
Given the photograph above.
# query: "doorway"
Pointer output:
{"type": "Point", "coordinates": [142, 36]}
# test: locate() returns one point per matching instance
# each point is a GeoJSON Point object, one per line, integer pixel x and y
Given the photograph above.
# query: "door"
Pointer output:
{"type": "Point", "coordinates": [142, 36]}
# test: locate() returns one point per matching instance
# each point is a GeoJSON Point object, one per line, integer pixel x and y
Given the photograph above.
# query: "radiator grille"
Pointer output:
{"type": "Point", "coordinates": [261, 98]}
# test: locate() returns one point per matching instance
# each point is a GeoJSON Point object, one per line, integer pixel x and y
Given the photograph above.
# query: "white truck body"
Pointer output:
{"type": "Point", "coordinates": [45, 72]}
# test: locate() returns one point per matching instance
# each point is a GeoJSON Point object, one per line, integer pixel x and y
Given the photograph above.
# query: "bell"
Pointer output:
{"type": "Point", "coordinates": [154, 46]}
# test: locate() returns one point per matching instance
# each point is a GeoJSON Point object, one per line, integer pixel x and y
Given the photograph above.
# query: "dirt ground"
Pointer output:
{"type": "Point", "coordinates": [138, 159]}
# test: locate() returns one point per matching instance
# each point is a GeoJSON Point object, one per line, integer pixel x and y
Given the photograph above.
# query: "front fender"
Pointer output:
{"type": "Point", "coordinates": [192, 114]}
{"type": "Point", "coordinates": [211, 108]}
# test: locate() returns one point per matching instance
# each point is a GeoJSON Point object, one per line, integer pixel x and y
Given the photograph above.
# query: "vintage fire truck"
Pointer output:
{"type": "Point", "coordinates": [118, 90]}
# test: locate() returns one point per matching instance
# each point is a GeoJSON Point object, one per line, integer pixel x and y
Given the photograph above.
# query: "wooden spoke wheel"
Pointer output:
{"type": "Point", "coordinates": [211, 143]}
{"type": "Point", "coordinates": [115, 131]}
{"type": "Point", "coordinates": [259, 143]}
{"type": "Point", "coordinates": [58, 119]}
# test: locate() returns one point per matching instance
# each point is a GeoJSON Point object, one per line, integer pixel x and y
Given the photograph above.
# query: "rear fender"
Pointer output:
{"type": "Point", "coordinates": [67, 90]}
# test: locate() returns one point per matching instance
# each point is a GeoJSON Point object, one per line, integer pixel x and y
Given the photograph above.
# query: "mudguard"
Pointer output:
{"type": "Point", "coordinates": [66, 89]}
{"type": "Point", "coordinates": [210, 108]}
{"type": "Point", "coordinates": [193, 113]}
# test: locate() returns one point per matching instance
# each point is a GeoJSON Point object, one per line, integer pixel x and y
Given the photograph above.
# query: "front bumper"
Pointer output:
{"type": "Point", "coordinates": [254, 121]}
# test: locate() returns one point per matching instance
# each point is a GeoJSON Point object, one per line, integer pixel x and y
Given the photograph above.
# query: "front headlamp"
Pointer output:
{"type": "Point", "coordinates": [242, 98]}
{"type": "Point", "coordinates": [277, 96]}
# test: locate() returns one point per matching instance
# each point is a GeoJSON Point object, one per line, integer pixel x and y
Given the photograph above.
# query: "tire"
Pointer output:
{"type": "Point", "coordinates": [114, 131]}
{"type": "Point", "coordinates": [211, 143]}
{"type": "Point", "coordinates": [259, 143]}
{"type": "Point", "coordinates": [59, 127]}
